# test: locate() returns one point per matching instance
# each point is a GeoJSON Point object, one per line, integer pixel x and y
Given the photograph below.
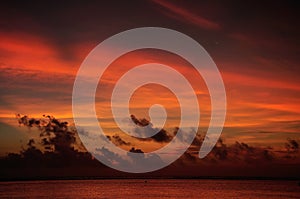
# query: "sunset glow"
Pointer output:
{"type": "Point", "coordinates": [255, 48]}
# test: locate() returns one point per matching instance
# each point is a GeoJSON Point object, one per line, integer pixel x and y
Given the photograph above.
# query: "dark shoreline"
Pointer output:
{"type": "Point", "coordinates": [55, 178]}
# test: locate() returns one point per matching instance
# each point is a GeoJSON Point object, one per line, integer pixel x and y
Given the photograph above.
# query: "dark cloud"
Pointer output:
{"type": "Point", "coordinates": [139, 122]}
{"type": "Point", "coordinates": [57, 138]}
{"type": "Point", "coordinates": [19, 85]}
{"type": "Point", "coordinates": [223, 153]}
{"type": "Point", "coordinates": [133, 150]}
{"type": "Point", "coordinates": [59, 144]}
{"type": "Point", "coordinates": [52, 131]}
{"type": "Point", "coordinates": [161, 136]}
{"type": "Point", "coordinates": [292, 145]}
{"type": "Point", "coordinates": [241, 153]}
{"type": "Point", "coordinates": [117, 140]}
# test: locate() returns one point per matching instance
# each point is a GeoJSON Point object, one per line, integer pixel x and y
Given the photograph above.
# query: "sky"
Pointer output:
{"type": "Point", "coordinates": [255, 46]}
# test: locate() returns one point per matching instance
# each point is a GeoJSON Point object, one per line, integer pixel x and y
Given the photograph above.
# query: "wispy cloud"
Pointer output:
{"type": "Point", "coordinates": [186, 15]}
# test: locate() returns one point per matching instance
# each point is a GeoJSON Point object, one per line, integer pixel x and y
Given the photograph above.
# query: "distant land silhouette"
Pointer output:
{"type": "Point", "coordinates": [61, 155]}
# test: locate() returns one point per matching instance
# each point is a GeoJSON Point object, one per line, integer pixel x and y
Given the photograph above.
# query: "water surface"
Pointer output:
{"type": "Point", "coordinates": [152, 188]}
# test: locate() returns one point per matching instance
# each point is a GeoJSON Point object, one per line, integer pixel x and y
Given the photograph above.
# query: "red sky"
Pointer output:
{"type": "Point", "coordinates": [256, 49]}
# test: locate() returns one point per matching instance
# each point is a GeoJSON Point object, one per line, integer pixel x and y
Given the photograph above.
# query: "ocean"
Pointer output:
{"type": "Point", "coordinates": [150, 188]}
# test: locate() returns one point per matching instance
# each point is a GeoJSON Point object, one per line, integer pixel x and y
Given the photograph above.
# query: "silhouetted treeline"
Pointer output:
{"type": "Point", "coordinates": [56, 146]}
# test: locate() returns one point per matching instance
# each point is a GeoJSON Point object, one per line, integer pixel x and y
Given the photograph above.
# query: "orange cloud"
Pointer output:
{"type": "Point", "coordinates": [32, 52]}
{"type": "Point", "coordinates": [39, 80]}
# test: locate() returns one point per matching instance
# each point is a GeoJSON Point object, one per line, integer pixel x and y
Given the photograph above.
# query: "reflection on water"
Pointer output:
{"type": "Point", "coordinates": [152, 188]}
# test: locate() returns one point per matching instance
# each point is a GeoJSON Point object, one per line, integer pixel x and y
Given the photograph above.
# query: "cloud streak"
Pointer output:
{"type": "Point", "coordinates": [185, 15]}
